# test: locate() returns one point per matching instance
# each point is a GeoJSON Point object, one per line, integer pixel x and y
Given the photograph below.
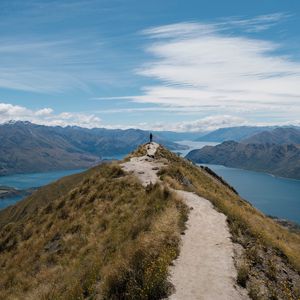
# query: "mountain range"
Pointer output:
{"type": "Point", "coordinates": [279, 136]}
{"type": "Point", "coordinates": [232, 133]}
{"type": "Point", "coordinates": [276, 152]}
{"type": "Point", "coordinates": [28, 148]}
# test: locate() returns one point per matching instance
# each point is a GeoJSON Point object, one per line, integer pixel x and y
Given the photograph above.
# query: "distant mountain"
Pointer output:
{"type": "Point", "coordinates": [281, 135]}
{"type": "Point", "coordinates": [27, 147]}
{"type": "Point", "coordinates": [232, 133]}
{"type": "Point", "coordinates": [280, 160]}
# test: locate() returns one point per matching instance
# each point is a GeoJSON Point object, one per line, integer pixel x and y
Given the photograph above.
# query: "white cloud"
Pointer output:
{"type": "Point", "coordinates": [202, 65]}
{"type": "Point", "coordinates": [47, 116]}
{"type": "Point", "coordinates": [205, 124]}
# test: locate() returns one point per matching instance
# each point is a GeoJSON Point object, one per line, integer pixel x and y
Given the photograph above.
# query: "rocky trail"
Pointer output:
{"type": "Point", "coordinates": [205, 267]}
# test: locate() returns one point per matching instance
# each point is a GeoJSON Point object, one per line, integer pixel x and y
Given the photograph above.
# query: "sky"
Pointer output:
{"type": "Point", "coordinates": [189, 65]}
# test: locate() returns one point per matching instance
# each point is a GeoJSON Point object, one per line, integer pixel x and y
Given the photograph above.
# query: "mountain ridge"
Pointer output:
{"type": "Point", "coordinates": [279, 136]}
{"type": "Point", "coordinates": [276, 152]}
{"type": "Point", "coordinates": [279, 160]}
{"type": "Point", "coordinates": [102, 234]}
{"type": "Point", "coordinates": [233, 133]}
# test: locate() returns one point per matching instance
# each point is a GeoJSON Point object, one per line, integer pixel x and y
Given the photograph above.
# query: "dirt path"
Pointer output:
{"type": "Point", "coordinates": [145, 167]}
{"type": "Point", "coordinates": [205, 268]}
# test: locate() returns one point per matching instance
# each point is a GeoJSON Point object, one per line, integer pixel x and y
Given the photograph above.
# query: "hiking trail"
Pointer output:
{"type": "Point", "coordinates": [205, 268]}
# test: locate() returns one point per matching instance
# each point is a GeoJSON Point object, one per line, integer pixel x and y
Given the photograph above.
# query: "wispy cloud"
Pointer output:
{"type": "Point", "coordinates": [206, 65]}
{"type": "Point", "coordinates": [57, 65]}
{"type": "Point", "coordinates": [49, 66]}
{"type": "Point", "coordinates": [194, 29]}
{"type": "Point", "coordinates": [257, 24]}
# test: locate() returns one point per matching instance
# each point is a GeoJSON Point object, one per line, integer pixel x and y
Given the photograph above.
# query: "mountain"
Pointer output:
{"type": "Point", "coordinates": [232, 133]}
{"type": "Point", "coordinates": [102, 234]}
{"type": "Point", "coordinates": [280, 160]}
{"type": "Point", "coordinates": [27, 147]}
{"type": "Point", "coordinates": [281, 135]}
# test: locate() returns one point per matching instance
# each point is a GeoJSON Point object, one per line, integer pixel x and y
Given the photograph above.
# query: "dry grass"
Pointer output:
{"type": "Point", "coordinates": [106, 238]}
{"type": "Point", "coordinates": [248, 226]}
{"type": "Point", "coordinates": [140, 151]}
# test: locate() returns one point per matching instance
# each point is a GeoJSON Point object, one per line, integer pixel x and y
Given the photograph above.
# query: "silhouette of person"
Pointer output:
{"type": "Point", "coordinates": [151, 137]}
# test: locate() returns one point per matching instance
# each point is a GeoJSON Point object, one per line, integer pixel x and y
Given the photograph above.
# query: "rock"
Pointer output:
{"type": "Point", "coordinates": [54, 245]}
{"type": "Point", "coordinates": [186, 182]}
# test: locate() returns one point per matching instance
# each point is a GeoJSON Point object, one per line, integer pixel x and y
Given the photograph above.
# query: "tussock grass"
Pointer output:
{"type": "Point", "coordinates": [140, 151]}
{"type": "Point", "coordinates": [96, 235]}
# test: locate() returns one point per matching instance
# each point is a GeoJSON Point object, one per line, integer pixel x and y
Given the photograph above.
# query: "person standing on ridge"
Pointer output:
{"type": "Point", "coordinates": [151, 137]}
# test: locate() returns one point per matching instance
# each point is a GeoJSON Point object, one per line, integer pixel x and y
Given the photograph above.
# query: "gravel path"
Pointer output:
{"type": "Point", "coordinates": [205, 268]}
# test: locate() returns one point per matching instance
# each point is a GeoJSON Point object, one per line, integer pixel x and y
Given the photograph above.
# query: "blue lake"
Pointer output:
{"type": "Point", "coordinates": [25, 181]}
{"type": "Point", "coordinates": [193, 145]}
{"type": "Point", "coordinates": [274, 196]}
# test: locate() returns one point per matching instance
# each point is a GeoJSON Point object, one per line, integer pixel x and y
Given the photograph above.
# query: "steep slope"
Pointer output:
{"type": "Point", "coordinates": [289, 135]}
{"type": "Point", "coordinates": [112, 233]}
{"type": "Point", "coordinates": [26, 147]}
{"type": "Point", "coordinates": [96, 235]}
{"type": "Point", "coordinates": [232, 133]}
{"type": "Point", "coordinates": [280, 160]}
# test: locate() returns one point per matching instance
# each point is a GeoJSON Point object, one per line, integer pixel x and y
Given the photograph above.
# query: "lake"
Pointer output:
{"type": "Point", "coordinates": [192, 145]}
{"type": "Point", "coordinates": [274, 196]}
{"type": "Point", "coordinates": [25, 181]}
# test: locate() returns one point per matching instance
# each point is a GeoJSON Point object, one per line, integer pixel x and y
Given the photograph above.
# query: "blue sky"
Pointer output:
{"type": "Point", "coordinates": [171, 65]}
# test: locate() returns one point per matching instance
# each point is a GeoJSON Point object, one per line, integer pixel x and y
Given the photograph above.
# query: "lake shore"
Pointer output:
{"type": "Point", "coordinates": [7, 192]}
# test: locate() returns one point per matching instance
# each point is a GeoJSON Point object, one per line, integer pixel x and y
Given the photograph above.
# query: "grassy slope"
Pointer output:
{"type": "Point", "coordinates": [94, 235]}
{"type": "Point", "coordinates": [267, 246]}
{"type": "Point", "coordinates": [99, 234]}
